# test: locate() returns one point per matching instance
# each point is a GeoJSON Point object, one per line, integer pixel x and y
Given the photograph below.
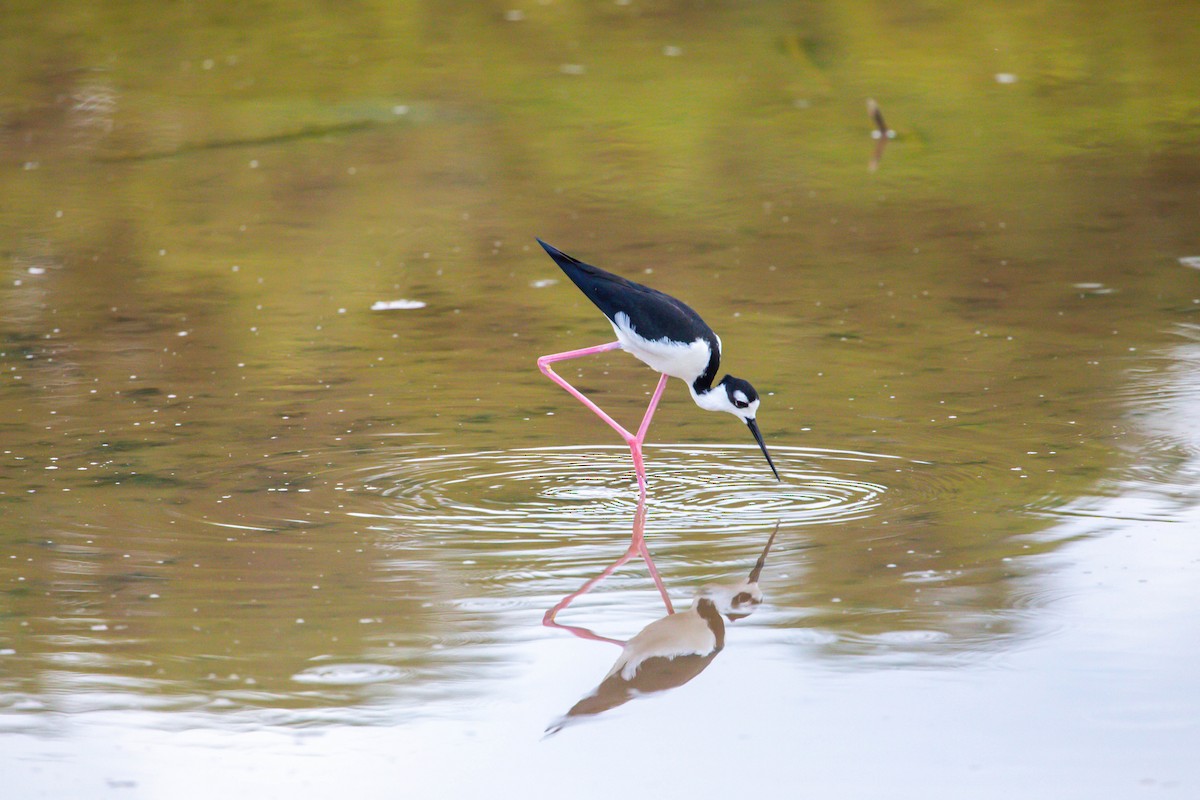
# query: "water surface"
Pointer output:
{"type": "Point", "coordinates": [284, 499]}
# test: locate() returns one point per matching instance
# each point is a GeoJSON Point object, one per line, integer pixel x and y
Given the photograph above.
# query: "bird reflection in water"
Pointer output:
{"type": "Point", "coordinates": [673, 649]}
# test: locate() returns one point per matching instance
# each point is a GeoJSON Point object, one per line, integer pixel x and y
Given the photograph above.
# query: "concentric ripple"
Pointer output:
{"type": "Point", "coordinates": [727, 486]}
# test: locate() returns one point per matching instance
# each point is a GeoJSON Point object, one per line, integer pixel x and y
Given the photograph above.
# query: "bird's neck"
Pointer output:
{"type": "Point", "coordinates": [706, 396]}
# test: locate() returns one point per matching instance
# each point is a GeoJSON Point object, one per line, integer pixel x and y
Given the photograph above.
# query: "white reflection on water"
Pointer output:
{"type": "Point", "coordinates": [671, 650]}
{"type": "Point", "coordinates": [342, 674]}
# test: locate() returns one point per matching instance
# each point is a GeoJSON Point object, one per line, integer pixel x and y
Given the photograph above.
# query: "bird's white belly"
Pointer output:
{"type": "Point", "coordinates": [679, 360]}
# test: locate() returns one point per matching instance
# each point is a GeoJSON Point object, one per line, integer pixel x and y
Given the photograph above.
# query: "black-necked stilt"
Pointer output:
{"type": "Point", "coordinates": [667, 335]}
{"type": "Point", "coordinates": [673, 649]}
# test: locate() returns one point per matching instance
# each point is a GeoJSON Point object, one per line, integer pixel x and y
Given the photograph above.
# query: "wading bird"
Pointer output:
{"type": "Point", "coordinates": [663, 333]}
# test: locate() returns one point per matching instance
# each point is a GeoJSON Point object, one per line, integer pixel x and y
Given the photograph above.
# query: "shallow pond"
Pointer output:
{"type": "Point", "coordinates": [287, 508]}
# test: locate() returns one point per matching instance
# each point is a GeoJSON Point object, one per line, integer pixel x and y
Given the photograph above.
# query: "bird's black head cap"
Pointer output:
{"type": "Point", "coordinates": [741, 393]}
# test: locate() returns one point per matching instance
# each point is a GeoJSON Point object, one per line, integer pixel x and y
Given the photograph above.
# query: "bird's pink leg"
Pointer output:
{"type": "Point", "coordinates": [638, 540]}
{"type": "Point", "coordinates": [548, 619]}
{"type": "Point", "coordinates": [544, 363]}
{"type": "Point", "coordinates": [637, 545]}
{"type": "Point", "coordinates": [634, 441]}
{"type": "Point", "coordinates": [635, 445]}
{"type": "Point", "coordinates": [662, 590]}
{"type": "Point", "coordinates": [658, 393]}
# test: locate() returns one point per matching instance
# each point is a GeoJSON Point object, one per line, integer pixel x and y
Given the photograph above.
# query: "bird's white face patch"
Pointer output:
{"type": "Point", "coordinates": [749, 412]}
{"type": "Point", "coordinates": [719, 400]}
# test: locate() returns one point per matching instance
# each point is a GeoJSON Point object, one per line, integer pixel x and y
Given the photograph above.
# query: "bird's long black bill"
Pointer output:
{"type": "Point", "coordinates": [758, 567]}
{"type": "Point", "coordinates": [753, 426]}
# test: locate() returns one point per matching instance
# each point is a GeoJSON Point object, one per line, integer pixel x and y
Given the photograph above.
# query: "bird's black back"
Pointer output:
{"type": "Point", "coordinates": [652, 314]}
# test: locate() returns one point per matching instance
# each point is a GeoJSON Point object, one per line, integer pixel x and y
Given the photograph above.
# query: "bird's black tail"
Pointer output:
{"type": "Point", "coordinates": [569, 264]}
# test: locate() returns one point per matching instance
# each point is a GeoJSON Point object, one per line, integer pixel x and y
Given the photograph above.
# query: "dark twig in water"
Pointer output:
{"type": "Point", "coordinates": [311, 132]}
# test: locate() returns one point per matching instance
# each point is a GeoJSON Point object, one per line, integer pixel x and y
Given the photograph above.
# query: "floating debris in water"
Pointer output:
{"type": "Point", "coordinates": [1094, 288]}
{"type": "Point", "coordinates": [1190, 261]}
{"type": "Point", "coordinates": [543, 283]}
{"type": "Point", "coordinates": [881, 133]}
{"type": "Point", "coordinates": [882, 130]}
{"type": "Point", "coordinates": [1006, 77]}
{"type": "Point", "coordinates": [397, 305]}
